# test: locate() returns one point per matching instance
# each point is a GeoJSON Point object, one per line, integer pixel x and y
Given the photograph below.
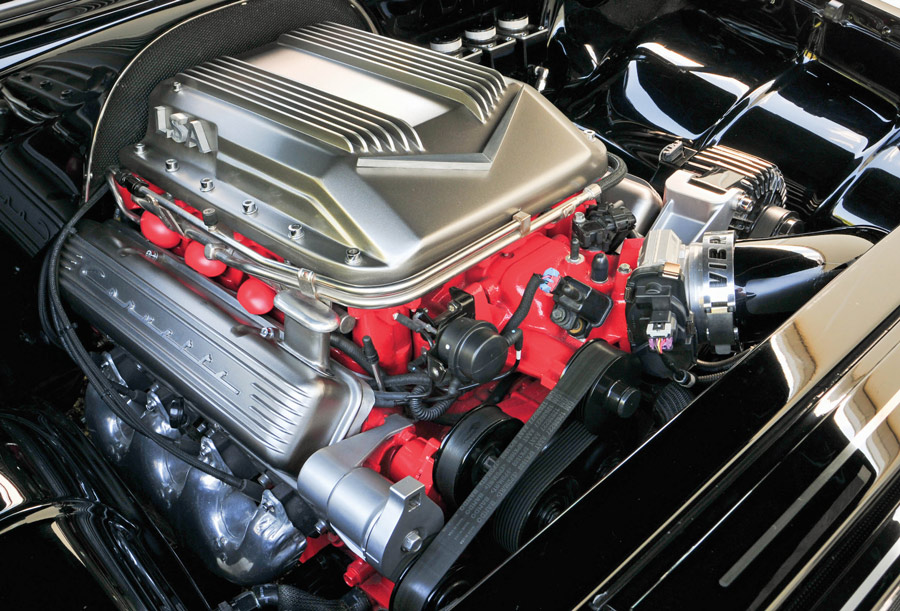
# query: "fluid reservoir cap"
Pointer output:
{"type": "Point", "coordinates": [156, 231]}
{"type": "Point", "coordinates": [481, 33]}
{"type": "Point", "coordinates": [197, 261]}
{"type": "Point", "coordinates": [256, 296]}
{"type": "Point", "coordinates": [446, 44]}
{"type": "Point", "coordinates": [473, 349]}
{"type": "Point", "coordinates": [512, 22]}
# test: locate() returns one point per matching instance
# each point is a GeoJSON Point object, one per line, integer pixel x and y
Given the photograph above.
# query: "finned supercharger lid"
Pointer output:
{"type": "Point", "coordinates": [400, 154]}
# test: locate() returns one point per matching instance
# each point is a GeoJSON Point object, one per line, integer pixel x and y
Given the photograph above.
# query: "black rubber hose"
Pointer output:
{"type": "Point", "coordinates": [43, 313]}
{"type": "Point", "coordinates": [420, 411]}
{"type": "Point", "coordinates": [352, 350]}
{"type": "Point", "coordinates": [416, 404]}
{"type": "Point", "coordinates": [405, 379]}
{"type": "Point", "coordinates": [391, 398]}
{"type": "Point", "coordinates": [709, 379]}
{"type": "Point", "coordinates": [524, 306]}
{"type": "Point", "coordinates": [717, 366]}
{"type": "Point", "coordinates": [501, 390]}
{"type": "Point", "coordinates": [440, 408]}
{"type": "Point", "coordinates": [671, 400]}
{"type": "Point", "coordinates": [615, 175]}
{"type": "Point", "coordinates": [291, 598]}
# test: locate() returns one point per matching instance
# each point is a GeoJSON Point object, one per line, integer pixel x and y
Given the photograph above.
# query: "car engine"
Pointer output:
{"type": "Point", "coordinates": [391, 304]}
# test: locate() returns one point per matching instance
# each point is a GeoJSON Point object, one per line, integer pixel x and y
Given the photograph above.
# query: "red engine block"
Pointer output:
{"type": "Point", "coordinates": [497, 285]}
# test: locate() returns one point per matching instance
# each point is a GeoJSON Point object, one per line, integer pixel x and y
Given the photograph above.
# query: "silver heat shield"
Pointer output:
{"type": "Point", "coordinates": [194, 335]}
{"type": "Point", "coordinates": [332, 140]}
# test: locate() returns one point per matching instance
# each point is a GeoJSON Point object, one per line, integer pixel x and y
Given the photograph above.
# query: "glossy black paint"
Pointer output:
{"type": "Point", "coordinates": [72, 535]}
{"type": "Point", "coordinates": [65, 27]}
{"type": "Point", "coordinates": [818, 98]}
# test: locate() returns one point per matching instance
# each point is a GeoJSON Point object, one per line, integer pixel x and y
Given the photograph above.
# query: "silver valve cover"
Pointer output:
{"type": "Point", "coordinates": [196, 337]}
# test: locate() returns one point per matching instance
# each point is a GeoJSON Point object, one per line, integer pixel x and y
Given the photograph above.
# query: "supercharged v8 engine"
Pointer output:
{"type": "Point", "coordinates": [391, 305]}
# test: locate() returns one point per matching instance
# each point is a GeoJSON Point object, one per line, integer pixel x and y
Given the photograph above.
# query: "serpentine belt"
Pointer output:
{"type": "Point", "coordinates": [445, 549]}
{"type": "Point", "coordinates": [511, 517]}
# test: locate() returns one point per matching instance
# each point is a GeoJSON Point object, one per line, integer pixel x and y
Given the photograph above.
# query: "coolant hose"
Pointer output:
{"type": "Point", "coordinates": [290, 598]}
{"type": "Point", "coordinates": [614, 176]}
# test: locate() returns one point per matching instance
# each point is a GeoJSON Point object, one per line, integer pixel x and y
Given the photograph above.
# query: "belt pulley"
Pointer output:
{"type": "Point", "coordinates": [514, 519]}
{"type": "Point", "coordinates": [414, 590]}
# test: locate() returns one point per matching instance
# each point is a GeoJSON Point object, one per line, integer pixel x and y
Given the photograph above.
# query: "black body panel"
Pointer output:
{"type": "Point", "coordinates": [818, 98]}
{"type": "Point", "coordinates": [73, 536]}
{"type": "Point", "coordinates": [59, 64]}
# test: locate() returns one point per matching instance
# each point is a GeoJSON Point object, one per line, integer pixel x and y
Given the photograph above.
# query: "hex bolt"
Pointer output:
{"type": "Point", "coordinates": [176, 86]}
{"type": "Point", "coordinates": [579, 218]}
{"type": "Point", "coordinates": [248, 206]}
{"type": "Point", "coordinates": [354, 256]}
{"type": "Point", "coordinates": [624, 269]}
{"type": "Point", "coordinates": [206, 185]}
{"type": "Point", "coordinates": [295, 230]}
{"type": "Point", "coordinates": [171, 165]}
{"type": "Point", "coordinates": [139, 148]}
{"type": "Point", "coordinates": [412, 542]}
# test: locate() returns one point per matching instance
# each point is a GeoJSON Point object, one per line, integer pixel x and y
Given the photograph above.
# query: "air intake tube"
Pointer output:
{"type": "Point", "coordinates": [774, 277]}
{"type": "Point", "coordinates": [722, 293]}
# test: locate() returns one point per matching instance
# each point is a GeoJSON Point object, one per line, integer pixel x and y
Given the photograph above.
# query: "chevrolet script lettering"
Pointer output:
{"type": "Point", "coordinates": [182, 128]}
{"type": "Point", "coordinates": [204, 360]}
